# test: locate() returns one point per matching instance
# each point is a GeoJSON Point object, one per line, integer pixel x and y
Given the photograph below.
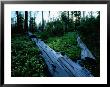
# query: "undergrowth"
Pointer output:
{"type": "Point", "coordinates": [25, 59]}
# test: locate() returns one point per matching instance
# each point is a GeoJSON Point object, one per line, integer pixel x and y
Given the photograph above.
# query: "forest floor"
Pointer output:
{"type": "Point", "coordinates": [66, 44]}
{"type": "Point", "coordinates": [26, 60]}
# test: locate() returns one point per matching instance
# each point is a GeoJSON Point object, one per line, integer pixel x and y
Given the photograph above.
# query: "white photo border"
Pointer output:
{"type": "Point", "coordinates": [55, 80]}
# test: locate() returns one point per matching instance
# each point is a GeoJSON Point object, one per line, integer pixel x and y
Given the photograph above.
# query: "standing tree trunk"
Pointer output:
{"type": "Point", "coordinates": [68, 22]}
{"type": "Point", "coordinates": [72, 15]}
{"type": "Point", "coordinates": [68, 15]}
{"type": "Point", "coordinates": [91, 14]}
{"type": "Point", "coordinates": [18, 22]}
{"type": "Point", "coordinates": [83, 14]}
{"type": "Point", "coordinates": [30, 24]}
{"type": "Point", "coordinates": [26, 22]}
{"type": "Point", "coordinates": [42, 21]}
{"type": "Point", "coordinates": [49, 16]}
{"type": "Point", "coordinates": [77, 14]}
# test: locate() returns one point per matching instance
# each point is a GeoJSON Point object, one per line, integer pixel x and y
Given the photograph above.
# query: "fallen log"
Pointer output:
{"type": "Point", "coordinates": [59, 65]}
{"type": "Point", "coordinates": [85, 52]}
